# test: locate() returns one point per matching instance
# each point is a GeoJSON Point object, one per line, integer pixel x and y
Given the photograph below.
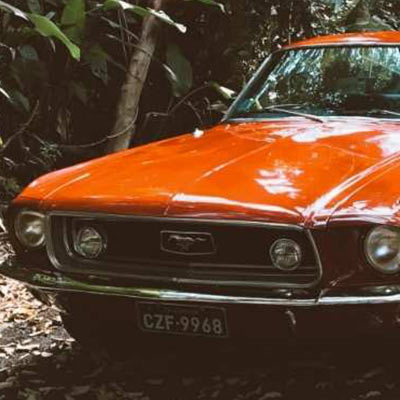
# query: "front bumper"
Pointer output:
{"type": "Point", "coordinates": [277, 313]}
{"type": "Point", "coordinates": [48, 282]}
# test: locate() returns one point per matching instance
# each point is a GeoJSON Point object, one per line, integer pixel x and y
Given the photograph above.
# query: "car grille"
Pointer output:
{"type": "Point", "coordinates": [241, 256]}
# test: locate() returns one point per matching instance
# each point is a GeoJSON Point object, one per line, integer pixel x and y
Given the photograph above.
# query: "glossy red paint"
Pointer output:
{"type": "Point", "coordinates": [290, 171]}
{"type": "Point", "coordinates": [336, 177]}
{"type": "Point", "coordinates": [369, 38]}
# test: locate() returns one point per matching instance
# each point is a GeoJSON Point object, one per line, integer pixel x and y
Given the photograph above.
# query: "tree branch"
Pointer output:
{"type": "Point", "coordinates": [21, 130]}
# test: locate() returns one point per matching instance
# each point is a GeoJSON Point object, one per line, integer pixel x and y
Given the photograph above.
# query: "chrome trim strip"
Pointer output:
{"type": "Point", "coordinates": [173, 295]}
{"type": "Point", "coordinates": [93, 267]}
{"type": "Point", "coordinates": [49, 282]}
{"type": "Point", "coordinates": [116, 217]}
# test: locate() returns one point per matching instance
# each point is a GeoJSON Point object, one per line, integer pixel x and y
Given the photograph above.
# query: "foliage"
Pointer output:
{"type": "Point", "coordinates": [257, 27]}
{"type": "Point", "coordinates": [62, 66]}
{"type": "Point", "coordinates": [63, 63]}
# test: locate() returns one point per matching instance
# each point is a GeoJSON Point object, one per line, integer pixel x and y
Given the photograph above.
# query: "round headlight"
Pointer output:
{"type": "Point", "coordinates": [30, 229]}
{"type": "Point", "coordinates": [89, 242]}
{"type": "Point", "coordinates": [382, 248]}
{"type": "Point", "coordinates": [285, 254]}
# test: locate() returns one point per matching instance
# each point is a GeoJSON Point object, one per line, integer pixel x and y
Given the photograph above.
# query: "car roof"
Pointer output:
{"type": "Point", "coordinates": [366, 38]}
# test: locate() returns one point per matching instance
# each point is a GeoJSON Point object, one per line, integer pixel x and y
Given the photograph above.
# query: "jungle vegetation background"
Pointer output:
{"type": "Point", "coordinates": [83, 78]}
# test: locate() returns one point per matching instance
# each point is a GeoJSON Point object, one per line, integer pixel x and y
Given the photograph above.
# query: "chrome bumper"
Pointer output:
{"type": "Point", "coordinates": [57, 282]}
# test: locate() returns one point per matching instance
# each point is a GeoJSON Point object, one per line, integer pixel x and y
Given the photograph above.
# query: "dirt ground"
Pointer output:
{"type": "Point", "coordinates": [38, 360]}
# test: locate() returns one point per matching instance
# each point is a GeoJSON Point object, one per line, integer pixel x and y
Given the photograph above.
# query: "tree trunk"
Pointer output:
{"type": "Point", "coordinates": [360, 16]}
{"type": "Point", "coordinates": [361, 20]}
{"type": "Point", "coordinates": [127, 108]}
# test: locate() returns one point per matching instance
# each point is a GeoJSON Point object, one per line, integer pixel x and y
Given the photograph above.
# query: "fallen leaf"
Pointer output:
{"type": "Point", "coordinates": [28, 347]}
{"type": "Point", "coordinates": [6, 385]}
{"type": "Point", "coordinates": [79, 390]}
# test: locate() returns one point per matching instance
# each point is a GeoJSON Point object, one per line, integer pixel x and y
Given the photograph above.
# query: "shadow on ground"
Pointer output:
{"type": "Point", "coordinates": [39, 361]}
{"type": "Point", "coordinates": [355, 369]}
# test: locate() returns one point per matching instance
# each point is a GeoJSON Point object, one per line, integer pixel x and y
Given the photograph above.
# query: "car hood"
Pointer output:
{"type": "Point", "coordinates": [290, 171]}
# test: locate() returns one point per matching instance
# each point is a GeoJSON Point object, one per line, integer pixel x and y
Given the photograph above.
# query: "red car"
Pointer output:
{"type": "Point", "coordinates": [285, 217]}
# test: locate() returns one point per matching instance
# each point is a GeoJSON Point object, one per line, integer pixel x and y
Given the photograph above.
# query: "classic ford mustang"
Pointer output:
{"type": "Point", "coordinates": [285, 217]}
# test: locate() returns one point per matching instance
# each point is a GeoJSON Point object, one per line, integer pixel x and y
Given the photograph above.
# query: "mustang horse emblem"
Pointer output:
{"type": "Point", "coordinates": [184, 243]}
{"type": "Point", "coordinates": [187, 243]}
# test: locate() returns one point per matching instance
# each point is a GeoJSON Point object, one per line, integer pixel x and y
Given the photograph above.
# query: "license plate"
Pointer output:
{"type": "Point", "coordinates": [182, 320]}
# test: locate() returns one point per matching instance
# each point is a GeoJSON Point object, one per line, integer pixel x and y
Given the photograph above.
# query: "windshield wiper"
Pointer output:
{"type": "Point", "coordinates": [282, 108]}
{"type": "Point", "coordinates": [291, 112]}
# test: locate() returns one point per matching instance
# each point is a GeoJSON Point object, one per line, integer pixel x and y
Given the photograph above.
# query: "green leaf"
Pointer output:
{"type": "Point", "coordinates": [74, 19]}
{"type": "Point", "coordinates": [50, 15]}
{"type": "Point", "coordinates": [28, 52]}
{"type": "Point", "coordinates": [144, 12]}
{"type": "Point", "coordinates": [181, 68]}
{"type": "Point", "coordinates": [74, 13]}
{"type": "Point", "coordinates": [111, 4]}
{"type": "Point", "coordinates": [98, 58]}
{"type": "Point", "coordinates": [226, 93]}
{"type": "Point", "coordinates": [34, 6]}
{"type": "Point", "coordinates": [78, 90]}
{"type": "Point", "coordinates": [5, 94]}
{"type": "Point", "coordinates": [14, 10]}
{"type": "Point", "coordinates": [47, 28]}
{"type": "Point", "coordinates": [20, 101]}
{"type": "Point", "coordinates": [7, 53]}
{"type": "Point", "coordinates": [167, 19]}
{"type": "Point", "coordinates": [212, 3]}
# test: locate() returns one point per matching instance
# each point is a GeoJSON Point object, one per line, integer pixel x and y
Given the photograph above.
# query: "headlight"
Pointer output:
{"type": "Point", "coordinates": [286, 254]}
{"type": "Point", "coordinates": [382, 248]}
{"type": "Point", "coordinates": [30, 229]}
{"type": "Point", "coordinates": [89, 242]}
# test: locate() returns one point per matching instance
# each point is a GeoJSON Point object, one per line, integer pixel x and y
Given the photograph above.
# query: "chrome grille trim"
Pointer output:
{"type": "Point", "coordinates": [90, 267]}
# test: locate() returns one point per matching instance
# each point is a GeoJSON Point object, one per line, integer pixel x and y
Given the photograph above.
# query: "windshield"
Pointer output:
{"type": "Point", "coordinates": [325, 81]}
